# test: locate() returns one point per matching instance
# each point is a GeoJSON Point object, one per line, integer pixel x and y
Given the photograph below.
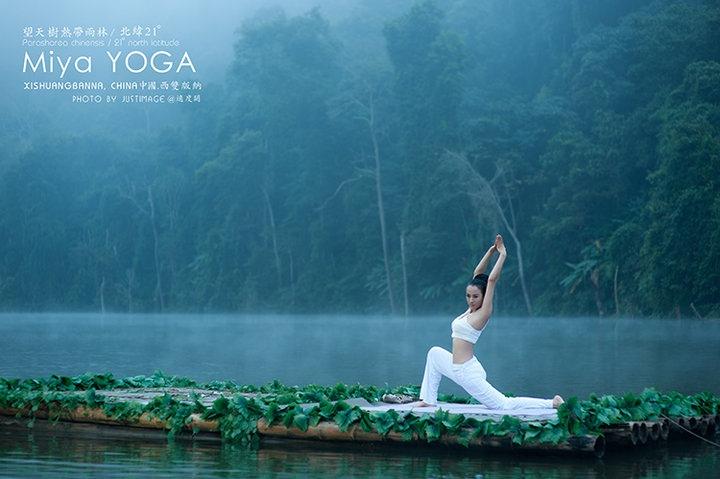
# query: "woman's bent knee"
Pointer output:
{"type": "Point", "coordinates": [435, 351]}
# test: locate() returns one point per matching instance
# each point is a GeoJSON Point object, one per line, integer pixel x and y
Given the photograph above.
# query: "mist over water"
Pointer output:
{"type": "Point", "coordinates": [528, 356]}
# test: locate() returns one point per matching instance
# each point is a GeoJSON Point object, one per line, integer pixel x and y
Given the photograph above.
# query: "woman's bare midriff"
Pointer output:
{"type": "Point", "coordinates": [462, 350]}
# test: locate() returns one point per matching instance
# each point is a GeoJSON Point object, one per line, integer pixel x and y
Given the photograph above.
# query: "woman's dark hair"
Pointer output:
{"type": "Point", "coordinates": [480, 281]}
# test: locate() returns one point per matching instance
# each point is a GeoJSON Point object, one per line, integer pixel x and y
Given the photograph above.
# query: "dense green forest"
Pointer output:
{"type": "Point", "coordinates": [365, 164]}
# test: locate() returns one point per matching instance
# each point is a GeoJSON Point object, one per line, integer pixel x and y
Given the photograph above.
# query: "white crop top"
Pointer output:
{"type": "Point", "coordinates": [461, 329]}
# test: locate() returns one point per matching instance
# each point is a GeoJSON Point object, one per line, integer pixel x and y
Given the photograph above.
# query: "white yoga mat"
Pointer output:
{"type": "Point", "coordinates": [467, 410]}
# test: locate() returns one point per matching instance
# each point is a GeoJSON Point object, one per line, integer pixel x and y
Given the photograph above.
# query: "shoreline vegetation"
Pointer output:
{"type": "Point", "coordinates": [242, 412]}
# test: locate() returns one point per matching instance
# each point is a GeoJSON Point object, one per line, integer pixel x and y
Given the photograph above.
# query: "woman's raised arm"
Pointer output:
{"type": "Point", "coordinates": [483, 264]}
{"type": "Point", "coordinates": [479, 318]}
{"type": "Point", "coordinates": [497, 269]}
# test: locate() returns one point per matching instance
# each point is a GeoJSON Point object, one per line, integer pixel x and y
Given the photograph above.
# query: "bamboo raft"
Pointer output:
{"type": "Point", "coordinates": [94, 421]}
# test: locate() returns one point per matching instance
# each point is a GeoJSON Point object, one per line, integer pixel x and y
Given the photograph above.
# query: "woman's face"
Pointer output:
{"type": "Point", "coordinates": [474, 297]}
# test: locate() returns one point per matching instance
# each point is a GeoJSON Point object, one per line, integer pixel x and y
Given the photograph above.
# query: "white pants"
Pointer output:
{"type": "Point", "coordinates": [470, 375]}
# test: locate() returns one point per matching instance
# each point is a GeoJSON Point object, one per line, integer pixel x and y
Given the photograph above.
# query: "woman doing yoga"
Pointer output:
{"type": "Point", "coordinates": [461, 365]}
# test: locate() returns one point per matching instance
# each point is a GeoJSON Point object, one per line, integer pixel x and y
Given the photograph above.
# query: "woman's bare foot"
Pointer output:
{"type": "Point", "coordinates": [557, 401]}
{"type": "Point", "coordinates": [424, 404]}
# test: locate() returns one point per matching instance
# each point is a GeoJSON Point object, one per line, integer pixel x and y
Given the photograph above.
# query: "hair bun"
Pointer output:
{"type": "Point", "coordinates": [480, 280]}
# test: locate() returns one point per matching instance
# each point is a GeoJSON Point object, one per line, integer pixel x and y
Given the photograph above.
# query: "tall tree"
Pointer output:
{"type": "Point", "coordinates": [681, 253]}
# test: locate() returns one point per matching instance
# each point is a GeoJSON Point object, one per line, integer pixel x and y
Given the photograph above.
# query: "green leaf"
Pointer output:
{"type": "Point", "coordinates": [465, 437]}
{"type": "Point", "coordinates": [272, 413]}
{"type": "Point", "coordinates": [552, 434]}
{"type": "Point", "coordinates": [366, 422]}
{"type": "Point", "coordinates": [432, 431]}
{"type": "Point", "coordinates": [453, 422]}
{"type": "Point", "coordinates": [346, 418]}
{"type": "Point", "coordinates": [385, 421]}
{"type": "Point", "coordinates": [300, 421]}
{"type": "Point", "coordinates": [91, 397]}
{"type": "Point", "coordinates": [532, 434]}
{"type": "Point", "coordinates": [220, 406]}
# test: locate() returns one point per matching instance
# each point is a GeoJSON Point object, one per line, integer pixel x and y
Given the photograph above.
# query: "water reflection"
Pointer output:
{"type": "Point", "coordinates": [37, 455]}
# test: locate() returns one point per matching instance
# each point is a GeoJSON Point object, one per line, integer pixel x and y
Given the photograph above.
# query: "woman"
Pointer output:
{"type": "Point", "coordinates": [462, 366]}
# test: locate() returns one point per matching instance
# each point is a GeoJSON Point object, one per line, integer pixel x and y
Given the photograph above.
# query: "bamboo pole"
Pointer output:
{"type": "Point", "coordinates": [636, 432]}
{"type": "Point", "coordinates": [62, 429]}
{"type": "Point", "coordinates": [626, 434]}
{"type": "Point", "coordinates": [328, 431]}
{"type": "Point", "coordinates": [679, 425]}
{"type": "Point", "coordinates": [653, 428]}
{"type": "Point", "coordinates": [202, 424]}
{"type": "Point", "coordinates": [642, 432]}
{"type": "Point", "coordinates": [88, 415]}
{"type": "Point", "coordinates": [702, 426]}
{"type": "Point", "coordinates": [664, 429]}
{"type": "Point", "coordinates": [712, 426]}
{"type": "Point", "coordinates": [98, 416]}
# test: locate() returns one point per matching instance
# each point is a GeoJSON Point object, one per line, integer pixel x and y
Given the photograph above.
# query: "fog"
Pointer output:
{"type": "Point", "coordinates": [537, 357]}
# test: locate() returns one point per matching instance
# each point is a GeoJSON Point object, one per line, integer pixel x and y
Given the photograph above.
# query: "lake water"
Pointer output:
{"type": "Point", "coordinates": [529, 356]}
